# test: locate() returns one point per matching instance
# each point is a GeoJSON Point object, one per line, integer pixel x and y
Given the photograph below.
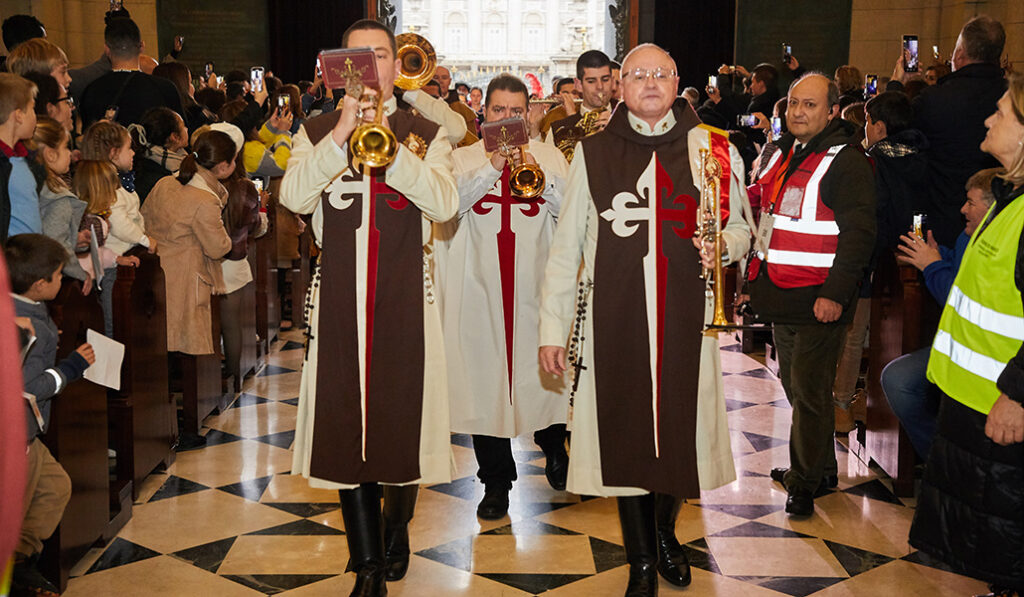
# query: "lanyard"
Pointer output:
{"type": "Point", "coordinates": [780, 175]}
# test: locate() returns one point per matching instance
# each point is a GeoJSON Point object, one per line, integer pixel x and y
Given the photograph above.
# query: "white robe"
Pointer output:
{"type": "Point", "coordinates": [474, 319]}
{"type": "Point", "coordinates": [428, 184]}
{"type": "Point", "coordinates": [576, 238]}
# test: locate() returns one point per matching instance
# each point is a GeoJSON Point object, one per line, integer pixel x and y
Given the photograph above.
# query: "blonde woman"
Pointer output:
{"type": "Point", "coordinates": [970, 511]}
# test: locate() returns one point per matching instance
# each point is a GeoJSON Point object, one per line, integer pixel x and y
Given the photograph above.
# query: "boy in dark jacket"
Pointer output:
{"type": "Point", "coordinates": [35, 263]}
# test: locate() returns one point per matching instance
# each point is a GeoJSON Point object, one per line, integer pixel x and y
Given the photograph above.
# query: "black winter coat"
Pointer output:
{"type": "Point", "coordinates": [951, 114]}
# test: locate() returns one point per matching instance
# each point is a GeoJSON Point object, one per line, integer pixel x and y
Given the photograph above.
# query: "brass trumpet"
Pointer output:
{"type": "Point", "coordinates": [554, 101]}
{"type": "Point", "coordinates": [373, 143]}
{"type": "Point", "coordinates": [525, 180]}
{"type": "Point", "coordinates": [709, 229]}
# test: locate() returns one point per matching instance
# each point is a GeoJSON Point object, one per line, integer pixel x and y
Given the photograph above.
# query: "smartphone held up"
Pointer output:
{"type": "Point", "coordinates": [256, 78]}
{"type": "Point", "coordinates": [910, 54]}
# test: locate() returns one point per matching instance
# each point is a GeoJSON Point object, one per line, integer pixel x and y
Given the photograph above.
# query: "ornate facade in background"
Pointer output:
{"type": "Point", "coordinates": [478, 39]}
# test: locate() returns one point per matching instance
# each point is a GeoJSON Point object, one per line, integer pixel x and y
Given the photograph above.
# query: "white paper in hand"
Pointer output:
{"type": "Point", "coordinates": [106, 371]}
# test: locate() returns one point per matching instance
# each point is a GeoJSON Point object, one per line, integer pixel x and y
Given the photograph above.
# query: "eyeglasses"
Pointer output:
{"type": "Point", "coordinates": [640, 75]}
{"type": "Point", "coordinates": [70, 100]}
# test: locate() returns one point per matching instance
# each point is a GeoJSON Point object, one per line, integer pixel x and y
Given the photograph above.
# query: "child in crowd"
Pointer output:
{"type": "Point", "coordinates": [97, 184]}
{"type": "Point", "coordinates": [35, 263]}
{"type": "Point", "coordinates": [61, 211]}
{"type": "Point", "coordinates": [19, 200]}
{"type": "Point", "coordinates": [40, 56]}
{"type": "Point", "coordinates": [110, 142]}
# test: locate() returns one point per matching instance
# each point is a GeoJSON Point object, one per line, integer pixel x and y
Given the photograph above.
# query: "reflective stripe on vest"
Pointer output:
{"type": "Point", "coordinates": [982, 323]}
{"type": "Point", "coordinates": [803, 249]}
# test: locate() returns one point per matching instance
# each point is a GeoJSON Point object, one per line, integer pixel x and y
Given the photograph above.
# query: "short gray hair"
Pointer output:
{"type": "Point", "coordinates": [833, 89]}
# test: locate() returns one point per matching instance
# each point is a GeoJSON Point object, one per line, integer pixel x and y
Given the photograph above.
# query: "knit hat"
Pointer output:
{"type": "Point", "coordinates": [232, 131]}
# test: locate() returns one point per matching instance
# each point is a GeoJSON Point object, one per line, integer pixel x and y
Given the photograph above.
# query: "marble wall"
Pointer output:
{"type": "Point", "coordinates": [77, 25]}
{"type": "Point", "coordinates": [878, 26]}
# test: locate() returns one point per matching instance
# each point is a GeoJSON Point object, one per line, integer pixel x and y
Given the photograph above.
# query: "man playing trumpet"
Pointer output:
{"type": "Point", "coordinates": [374, 410]}
{"type": "Point", "coordinates": [648, 418]}
{"type": "Point", "coordinates": [491, 289]}
{"type": "Point", "coordinates": [594, 82]}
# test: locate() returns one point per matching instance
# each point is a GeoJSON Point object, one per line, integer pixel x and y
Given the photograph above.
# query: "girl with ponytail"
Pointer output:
{"type": "Point", "coordinates": [183, 213]}
{"type": "Point", "coordinates": [159, 140]}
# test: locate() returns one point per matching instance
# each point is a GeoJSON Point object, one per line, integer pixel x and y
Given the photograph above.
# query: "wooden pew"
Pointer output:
{"type": "Point", "coordinates": [77, 437]}
{"type": "Point", "coordinates": [202, 388]}
{"type": "Point", "coordinates": [143, 426]}
{"type": "Point", "coordinates": [300, 280]}
{"type": "Point", "coordinates": [904, 317]}
{"type": "Point", "coordinates": [265, 275]}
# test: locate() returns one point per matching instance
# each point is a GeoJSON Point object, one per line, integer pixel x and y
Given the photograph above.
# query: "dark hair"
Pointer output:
{"type": "Point", "coordinates": [32, 257]}
{"type": "Point", "coordinates": [893, 108]}
{"type": "Point", "coordinates": [123, 38]}
{"type": "Point", "coordinates": [236, 76]}
{"type": "Point", "coordinates": [434, 83]}
{"type": "Point", "coordinates": [234, 91]}
{"type": "Point", "coordinates": [210, 149]}
{"type": "Point", "coordinates": [615, 65]}
{"type": "Point", "coordinates": [768, 75]}
{"type": "Point", "coordinates": [48, 91]}
{"type": "Point", "coordinates": [506, 82]}
{"type": "Point", "coordinates": [272, 84]}
{"type": "Point", "coordinates": [18, 29]}
{"type": "Point", "coordinates": [370, 25]}
{"type": "Point", "coordinates": [295, 97]}
{"type": "Point", "coordinates": [914, 87]}
{"type": "Point", "coordinates": [158, 125]}
{"type": "Point", "coordinates": [984, 39]}
{"type": "Point", "coordinates": [304, 86]}
{"type": "Point", "coordinates": [181, 76]}
{"type": "Point", "coordinates": [592, 59]}
{"type": "Point", "coordinates": [120, 13]}
{"type": "Point", "coordinates": [833, 89]}
{"type": "Point", "coordinates": [464, 85]}
{"type": "Point", "coordinates": [211, 99]}
{"type": "Point", "coordinates": [229, 111]}
{"type": "Point", "coordinates": [562, 81]}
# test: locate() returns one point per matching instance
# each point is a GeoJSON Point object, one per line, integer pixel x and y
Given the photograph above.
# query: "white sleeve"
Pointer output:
{"type": "Point", "coordinates": [558, 291]}
{"type": "Point", "coordinates": [310, 169]}
{"type": "Point", "coordinates": [439, 112]}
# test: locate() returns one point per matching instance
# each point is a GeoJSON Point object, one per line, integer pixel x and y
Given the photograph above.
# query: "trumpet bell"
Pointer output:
{"type": "Point", "coordinates": [373, 144]}
{"type": "Point", "coordinates": [526, 181]}
{"type": "Point", "coordinates": [418, 61]}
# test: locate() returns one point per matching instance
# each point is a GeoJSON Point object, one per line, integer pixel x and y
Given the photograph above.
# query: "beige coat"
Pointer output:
{"type": "Point", "coordinates": [191, 240]}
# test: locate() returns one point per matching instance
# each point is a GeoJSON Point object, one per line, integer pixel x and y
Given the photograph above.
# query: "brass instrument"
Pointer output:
{"type": "Point", "coordinates": [372, 143]}
{"type": "Point", "coordinates": [525, 180]}
{"type": "Point", "coordinates": [709, 229]}
{"type": "Point", "coordinates": [586, 126]}
{"type": "Point", "coordinates": [554, 101]}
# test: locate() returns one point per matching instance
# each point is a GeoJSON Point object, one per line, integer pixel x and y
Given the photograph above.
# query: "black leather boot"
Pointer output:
{"type": "Point", "coordinates": [360, 508]}
{"type": "Point", "coordinates": [636, 514]}
{"type": "Point", "coordinates": [399, 504]}
{"type": "Point", "coordinates": [673, 565]}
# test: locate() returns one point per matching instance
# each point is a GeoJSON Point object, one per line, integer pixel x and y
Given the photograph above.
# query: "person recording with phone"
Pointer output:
{"type": "Point", "coordinates": [125, 92]}
{"type": "Point", "coordinates": [951, 114]}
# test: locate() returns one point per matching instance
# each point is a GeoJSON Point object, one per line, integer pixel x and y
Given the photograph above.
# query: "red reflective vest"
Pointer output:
{"type": "Point", "coordinates": [805, 235]}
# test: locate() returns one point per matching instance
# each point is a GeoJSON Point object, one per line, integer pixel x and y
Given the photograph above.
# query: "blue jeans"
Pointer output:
{"type": "Point", "coordinates": [107, 300]}
{"type": "Point", "coordinates": [913, 398]}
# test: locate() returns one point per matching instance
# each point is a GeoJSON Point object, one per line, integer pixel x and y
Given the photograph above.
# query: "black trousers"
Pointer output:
{"type": "Point", "coordinates": [494, 455]}
{"type": "Point", "coordinates": [808, 356]}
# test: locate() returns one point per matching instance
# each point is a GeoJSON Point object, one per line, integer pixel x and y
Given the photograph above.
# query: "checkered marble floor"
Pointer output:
{"type": "Point", "coordinates": [229, 519]}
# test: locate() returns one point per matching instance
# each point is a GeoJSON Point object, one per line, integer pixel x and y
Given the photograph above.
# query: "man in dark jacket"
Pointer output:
{"type": "Point", "coordinates": [951, 114]}
{"type": "Point", "coordinates": [126, 90]}
{"type": "Point", "coordinates": [815, 239]}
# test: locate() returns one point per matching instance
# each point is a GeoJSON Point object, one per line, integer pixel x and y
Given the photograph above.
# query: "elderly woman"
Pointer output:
{"type": "Point", "coordinates": [970, 511]}
{"type": "Point", "coordinates": [183, 213]}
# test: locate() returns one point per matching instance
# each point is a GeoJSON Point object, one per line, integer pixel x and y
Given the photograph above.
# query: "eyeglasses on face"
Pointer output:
{"type": "Point", "coordinates": [640, 75]}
